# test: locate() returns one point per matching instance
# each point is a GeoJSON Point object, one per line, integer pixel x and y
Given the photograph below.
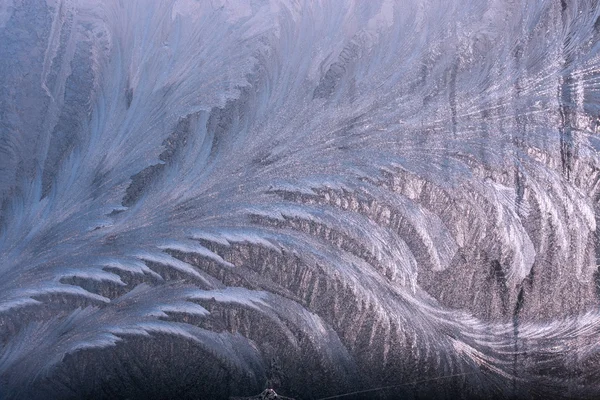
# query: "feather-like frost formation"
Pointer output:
{"type": "Point", "coordinates": [207, 198]}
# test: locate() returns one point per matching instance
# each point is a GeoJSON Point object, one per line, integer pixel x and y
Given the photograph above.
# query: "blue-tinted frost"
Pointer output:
{"type": "Point", "coordinates": [365, 192]}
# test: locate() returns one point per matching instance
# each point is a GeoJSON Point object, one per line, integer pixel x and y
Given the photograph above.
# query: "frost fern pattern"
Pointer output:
{"type": "Point", "coordinates": [204, 199]}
